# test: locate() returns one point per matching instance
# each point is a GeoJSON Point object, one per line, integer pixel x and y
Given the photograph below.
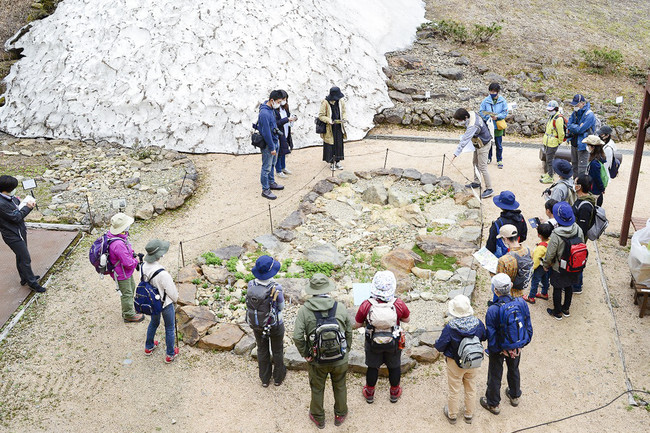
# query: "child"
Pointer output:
{"type": "Point", "coordinates": [517, 263]}
{"type": "Point", "coordinates": [548, 206]}
{"type": "Point", "coordinates": [562, 190]}
{"type": "Point", "coordinates": [539, 274]}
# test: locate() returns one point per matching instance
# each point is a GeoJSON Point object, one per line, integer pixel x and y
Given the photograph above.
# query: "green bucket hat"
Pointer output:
{"type": "Point", "coordinates": [155, 249]}
{"type": "Point", "coordinates": [319, 284]}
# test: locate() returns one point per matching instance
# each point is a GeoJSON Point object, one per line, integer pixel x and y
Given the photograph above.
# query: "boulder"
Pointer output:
{"type": "Point", "coordinates": [443, 275]}
{"type": "Point", "coordinates": [425, 354]}
{"type": "Point", "coordinates": [174, 203]}
{"type": "Point", "coordinates": [145, 212]}
{"type": "Point", "coordinates": [399, 260]}
{"type": "Point", "coordinates": [186, 294]}
{"type": "Point", "coordinates": [245, 345]}
{"type": "Point", "coordinates": [217, 275]}
{"type": "Point", "coordinates": [347, 176]}
{"type": "Point", "coordinates": [195, 329]}
{"type": "Point", "coordinates": [462, 61]}
{"type": "Point", "coordinates": [187, 274]}
{"type": "Point", "coordinates": [429, 338]}
{"type": "Point", "coordinates": [335, 180]}
{"type": "Point", "coordinates": [322, 187]}
{"type": "Point", "coordinates": [398, 198]}
{"type": "Point", "coordinates": [269, 242]}
{"type": "Point", "coordinates": [411, 174]}
{"type": "Point", "coordinates": [451, 73]}
{"type": "Point", "coordinates": [294, 220]}
{"type": "Point", "coordinates": [159, 207]}
{"type": "Point", "coordinates": [223, 336]}
{"type": "Point", "coordinates": [375, 194]}
{"type": "Point", "coordinates": [310, 197]}
{"type": "Point", "coordinates": [424, 274]}
{"type": "Point", "coordinates": [293, 360]}
{"type": "Point", "coordinates": [56, 189]}
{"type": "Point", "coordinates": [400, 97]}
{"type": "Point", "coordinates": [293, 289]}
{"type": "Point", "coordinates": [449, 247]}
{"type": "Point", "coordinates": [394, 115]}
{"type": "Point", "coordinates": [491, 77]}
{"type": "Point", "coordinates": [470, 234]}
{"type": "Point", "coordinates": [284, 235]}
{"type": "Point", "coordinates": [428, 178]}
{"type": "Point", "coordinates": [228, 252]}
{"type": "Point", "coordinates": [325, 253]}
{"type": "Point", "coordinates": [191, 312]}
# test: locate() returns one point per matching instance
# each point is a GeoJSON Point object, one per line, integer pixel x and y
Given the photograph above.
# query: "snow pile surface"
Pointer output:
{"type": "Point", "coordinates": [189, 75]}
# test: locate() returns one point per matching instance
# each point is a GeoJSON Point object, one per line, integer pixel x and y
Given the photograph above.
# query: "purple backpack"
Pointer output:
{"type": "Point", "coordinates": [98, 254]}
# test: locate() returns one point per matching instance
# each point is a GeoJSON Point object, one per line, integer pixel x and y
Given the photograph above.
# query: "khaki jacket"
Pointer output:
{"type": "Point", "coordinates": [325, 115]}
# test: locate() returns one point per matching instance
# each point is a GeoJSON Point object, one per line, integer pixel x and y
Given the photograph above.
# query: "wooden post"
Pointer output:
{"type": "Point", "coordinates": [386, 158]}
{"type": "Point", "coordinates": [442, 172]}
{"type": "Point", "coordinates": [644, 123]}
{"type": "Point", "coordinates": [271, 217]}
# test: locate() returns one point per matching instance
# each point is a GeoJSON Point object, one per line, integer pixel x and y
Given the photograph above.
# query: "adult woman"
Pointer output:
{"type": "Point", "coordinates": [285, 121]}
{"type": "Point", "coordinates": [597, 167]}
{"type": "Point", "coordinates": [332, 112]}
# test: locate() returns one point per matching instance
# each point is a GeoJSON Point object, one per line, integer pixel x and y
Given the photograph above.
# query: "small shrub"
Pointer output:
{"type": "Point", "coordinates": [231, 264]}
{"type": "Point", "coordinates": [311, 268]}
{"type": "Point", "coordinates": [244, 292]}
{"type": "Point", "coordinates": [602, 60]}
{"type": "Point", "coordinates": [482, 34]}
{"type": "Point", "coordinates": [196, 281]}
{"type": "Point", "coordinates": [211, 258]}
{"type": "Point", "coordinates": [239, 275]}
{"type": "Point", "coordinates": [285, 265]}
{"type": "Point", "coordinates": [249, 277]}
{"type": "Point", "coordinates": [205, 285]}
{"type": "Point", "coordinates": [454, 30]}
{"type": "Point", "coordinates": [216, 297]}
{"type": "Point", "coordinates": [227, 298]}
{"type": "Point", "coordinates": [242, 299]}
{"type": "Point", "coordinates": [204, 302]}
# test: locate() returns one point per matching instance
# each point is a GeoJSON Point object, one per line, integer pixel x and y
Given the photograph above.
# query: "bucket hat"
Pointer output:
{"type": "Point", "coordinates": [593, 140]}
{"type": "Point", "coordinates": [155, 249]}
{"type": "Point", "coordinates": [563, 168]}
{"type": "Point", "coordinates": [120, 222]}
{"type": "Point", "coordinates": [319, 284]}
{"type": "Point", "coordinates": [335, 94]}
{"type": "Point", "coordinates": [506, 200]}
{"type": "Point", "coordinates": [501, 284]}
{"type": "Point", "coordinates": [460, 306]}
{"type": "Point", "coordinates": [265, 267]}
{"type": "Point", "coordinates": [563, 214]}
{"type": "Point", "coordinates": [604, 130]}
{"type": "Point", "coordinates": [507, 231]}
{"type": "Point", "coordinates": [383, 285]}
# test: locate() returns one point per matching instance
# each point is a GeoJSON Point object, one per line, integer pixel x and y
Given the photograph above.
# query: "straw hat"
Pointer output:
{"type": "Point", "coordinates": [120, 222]}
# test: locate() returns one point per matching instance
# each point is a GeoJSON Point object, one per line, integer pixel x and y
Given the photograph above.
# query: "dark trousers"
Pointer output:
{"type": "Point", "coordinates": [317, 377]}
{"type": "Point", "coordinates": [558, 306]}
{"type": "Point", "coordinates": [23, 262]}
{"type": "Point", "coordinates": [275, 340]}
{"type": "Point", "coordinates": [495, 373]}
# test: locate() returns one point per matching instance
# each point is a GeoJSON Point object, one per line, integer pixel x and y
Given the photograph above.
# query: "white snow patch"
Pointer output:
{"type": "Point", "coordinates": [189, 75]}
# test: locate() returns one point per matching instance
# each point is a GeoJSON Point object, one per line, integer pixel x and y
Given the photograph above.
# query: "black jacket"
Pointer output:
{"type": "Point", "coordinates": [513, 217]}
{"type": "Point", "coordinates": [12, 220]}
{"type": "Point", "coordinates": [286, 143]}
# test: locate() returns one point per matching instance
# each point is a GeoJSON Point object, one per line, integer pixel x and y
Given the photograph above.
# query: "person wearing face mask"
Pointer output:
{"type": "Point", "coordinates": [597, 167]}
{"type": "Point", "coordinates": [125, 263]}
{"type": "Point", "coordinates": [268, 129]}
{"type": "Point", "coordinates": [581, 123]}
{"type": "Point", "coordinates": [495, 107]}
{"type": "Point", "coordinates": [332, 113]}
{"type": "Point", "coordinates": [479, 137]}
{"type": "Point", "coordinates": [605, 133]}
{"type": "Point", "coordinates": [14, 231]}
{"type": "Point", "coordinates": [285, 121]}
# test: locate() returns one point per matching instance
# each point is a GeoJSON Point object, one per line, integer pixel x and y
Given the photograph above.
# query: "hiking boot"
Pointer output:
{"type": "Point", "coordinates": [134, 319]}
{"type": "Point", "coordinates": [170, 359]}
{"type": "Point", "coordinates": [319, 424]}
{"type": "Point", "coordinates": [368, 393]}
{"type": "Point", "coordinates": [268, 194]}
{"type": "Point", "coordinates": [276, 186]}
{"type": "Point", "coordinates": [280, 174]}
{"type": "Point", "coordinates": [473, 185]}
{"type": "Point", "coordinates": [395, 393]}
{"type": "Point", "coordinates": [286, 171]}
{"type": "Point", "coordinates": [487, 193]}
{"type": "Point", "coordinates": [529, 299]}
{"type": "Point", "coordinates": [24, 282]}
{"type": "Point", "coordinates": [265, 384]}
{"type": "Point", "coordinates": [566, 313]}
{"type": "Point", "coordinates": [577, 291]}
{"type": "Point", "coordinates": [551, 312]}
{"type": "Point", "coordinates": [546, 179]}
{"type": "Point", "coordinates": [451, 420]}
{"type": "Point", "coordinates": [494, 409]}
{"type": "Point", "coordinates": [542, 296]}
{"type": "Point", "coordinates": [35, 287]}
{"type": "Point", "coordinates": [513, 401]}
{"type": "Point", "coordinates": [148, 352]}
{"type": "Point", "coordinates": [499, 164]}
{"type": "Point", "coordinates": [338, 166]}
{"type": "Point", "coordinates": [468, 419]}
{"type": "Point", "coordinates": [339, 419]}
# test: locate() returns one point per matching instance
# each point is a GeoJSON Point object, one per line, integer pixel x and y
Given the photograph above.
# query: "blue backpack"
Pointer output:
{"type": "Point", "coordinates": [147, 299]}
{"type": "Point", "coordinates": [502, 249]}
{"type": "Point", "coordinates": [512, 332]}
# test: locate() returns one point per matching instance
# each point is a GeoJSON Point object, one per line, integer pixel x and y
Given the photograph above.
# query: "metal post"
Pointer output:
{"type": "Point", "coordinates": [271, 218]}
{"type": "Point", "coordinates": [90, 214]}
{"type": "Point", "coordinates": [386, 158]}
{"type": "Point", "coordinates": [182, 254]}
{"type": "Point", "coordinates": [442, 172]}
{"type": "Point", "coordinates": [182, 184]}
{"type": "Point", "coordinates": [34, 197]}
{"type": "Point", "coordinates": [644, 123]}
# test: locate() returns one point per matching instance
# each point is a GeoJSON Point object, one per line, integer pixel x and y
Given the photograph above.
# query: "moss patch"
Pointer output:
{"type": "Point", "coordinates": [435, 262]}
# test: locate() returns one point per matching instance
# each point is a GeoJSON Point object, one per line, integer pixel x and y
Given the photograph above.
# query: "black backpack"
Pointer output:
{"type": "Point", "coordinates": [328, 341]}
{"type": "Point", "coordinates": [256, 139]}
{"type": "Point", "coordinates": [259, 306]}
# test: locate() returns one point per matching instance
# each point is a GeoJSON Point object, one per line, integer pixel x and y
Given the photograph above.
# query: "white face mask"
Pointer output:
{"type": "Point", "coordinates": [275, 105]}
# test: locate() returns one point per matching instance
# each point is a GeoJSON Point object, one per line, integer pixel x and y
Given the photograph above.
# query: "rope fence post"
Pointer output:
{"type": "Point", "coordinates": [386, 158]}
{"type": "Point", "coordinates": [182, 254]}
{"type": "Point", "coordinates": [271, 218]}
{"type": "Point", "coordinates": [90, 214]}
{"type": "Point", "coordinates": [182, 184]}
{"type": "Point", "coordinates": [442, 172]}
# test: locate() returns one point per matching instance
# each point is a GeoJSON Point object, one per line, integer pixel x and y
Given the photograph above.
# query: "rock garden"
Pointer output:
{"type": "Point", "coordinates": [422, 227]}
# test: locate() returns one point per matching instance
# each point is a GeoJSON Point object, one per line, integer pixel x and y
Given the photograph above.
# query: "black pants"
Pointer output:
{"type": "Point", "coordinates": [23, 262]}
{"type": "Point", "coordinates": [275, 340]}
{"type": "Point", "coordinates": [374, 360]}
{"type": "Point", "coordinates": [495, 373]}
{"type": "Point", "coordinates": [558, 306]}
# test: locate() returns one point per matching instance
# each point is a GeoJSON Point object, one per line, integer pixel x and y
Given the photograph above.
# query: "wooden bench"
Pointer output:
{"type": "Point", "coordinates": [643, 292]}
{"type": "Point", "coordinates": [638, 223]}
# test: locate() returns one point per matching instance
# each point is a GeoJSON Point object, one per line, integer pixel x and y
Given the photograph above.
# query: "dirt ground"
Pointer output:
{"type": "Point", "coordinates": [73, 365]}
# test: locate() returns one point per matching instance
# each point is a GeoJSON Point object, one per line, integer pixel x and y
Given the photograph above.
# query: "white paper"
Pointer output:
{"type": "Point", "coordinates": [361, 292]}
{"type": "Point", "coordinates": [468, 148]}
{"type": "Point", "coordinates": [619, 99]}
{"type": "Point", "coordinates": [487, 259]}
{"type": "Point", "coordinates": [512, 106]}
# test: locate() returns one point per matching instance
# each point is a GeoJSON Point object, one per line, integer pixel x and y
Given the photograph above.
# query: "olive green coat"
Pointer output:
{"type": "Point", "coordinates": [325, 115]}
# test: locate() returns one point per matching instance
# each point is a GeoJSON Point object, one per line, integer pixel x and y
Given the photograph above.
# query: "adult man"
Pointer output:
{"type": "Point", "coordinates": [510, 214]}
{"type": "Point", "coordinates": [508, 330]}
{"type": "Point", "coordinates": [553, 137]}
{"type": "Point", "coordinates": [495, 107]}
{"type": "Point", "coordinates": [268, 129]}
{"type": "Point", "coordinates": [479, 137]}
{"type": "Point", "coordinates": [306, 335]}
{"type": "Point", "coordinates": [14, 231]}
{"type": "Point", "coordinates": [581, 123]}
{"type": "Point", "coordinates": [517, 263]}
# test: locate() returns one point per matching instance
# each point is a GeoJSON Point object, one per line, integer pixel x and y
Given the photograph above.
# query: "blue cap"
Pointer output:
{"type": "Point", "coordinates": [563, 214]}
{"type": "Point", "coordinates": [577, 99]}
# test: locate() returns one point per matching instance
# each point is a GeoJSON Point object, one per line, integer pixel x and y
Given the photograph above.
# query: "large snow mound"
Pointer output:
{"type": "Point", "coordinates": [190, 75]}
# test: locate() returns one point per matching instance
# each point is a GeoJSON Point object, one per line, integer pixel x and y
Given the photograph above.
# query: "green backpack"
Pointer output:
{"type": "Point", "coordinates": [604, 175]}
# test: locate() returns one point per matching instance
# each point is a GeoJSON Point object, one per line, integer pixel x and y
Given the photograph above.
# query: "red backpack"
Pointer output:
{"type": "Point", "coordinates": [574, 258]}
{"type": "Point", "coordinates": [564, 124]}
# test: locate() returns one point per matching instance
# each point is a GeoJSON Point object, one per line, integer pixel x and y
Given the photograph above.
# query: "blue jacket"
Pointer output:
{"type": "Point", "coordinates": [500, 108]}
{"type": "Point", "coordinates": [266, 124]}
{"type": "Point", "coordinates": [455, 331]}
{"type": "Point", "coordinates": [492, 321]}
{"type": "Point", "coordinates": [581, 123]}
{"type": "Point", "coordinates": [597, 187]}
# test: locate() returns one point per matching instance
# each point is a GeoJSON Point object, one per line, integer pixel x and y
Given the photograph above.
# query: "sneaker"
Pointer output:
{"type": "Point", "coordinates": [339, 419]}
{"type": "Point", "coordinates": [265, 384]}
{"type": "Point", "coordinates": [286, 171]}
{"type": "Point", "coordinates": [451, 420]}
{"type": "Point", "coordinates": [577, 291]}
{"type": "Point", "coordinates": [276, 186]}
{"type": "Point", "coordinates": [468, 419]}
{"type": "Point", "coordinates": [148, 352]}
{"type": "Point", "coordinates": [487, 193]}
{"type": "Point", "coordinates": [280, 174]}
{"type": "Point", "coordinates": [134, 319]}
{"type": "Point", "coordinates": [566, 313]}
{"type": "Point", "coordinates": [529, 299]}
{"type": "Point", "coordinates": [499, 164]}
{"type": "Point", "coordinates": [552, 313]}
{"type": "Point", "coordinates": [368, 393]}
{"type": "Point", "coordinates": [546, 179]}
{"type": "Point", "coordinates": [338, 166]}
{"type": "Point", "coordinates": [24, 282]}
{"type": "Point", "coordinates": [513, 401]}
{"type": "Point", "coordinates": [332, 167]}
{"type": "Point", "coordinates": [35, 287]}
{"type": "Point", "coordinates": [395, 393]}
{"type": "Point", "coordinates": [268, 194]}
{"type": "Point", "coordinates": [170, 359]}
{"type": "Point", "coordinates": [494, 409]}
{"type": "Point", "coordinates": [473, 185]}
{"type": "Point", "coordinates": [319, 424]}
{"type": "Point", "coordinates": [542, 296]}
{"type": "Point", "coordinates": [277, 383]}
{"type": "Point", "coordinates": [489, 160]}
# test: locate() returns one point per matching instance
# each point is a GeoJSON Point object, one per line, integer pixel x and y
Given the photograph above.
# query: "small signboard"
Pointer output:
{"type": "Point", "coordinates": [29, 184]}
{"type": "Point", "coordinates": [361, 292]}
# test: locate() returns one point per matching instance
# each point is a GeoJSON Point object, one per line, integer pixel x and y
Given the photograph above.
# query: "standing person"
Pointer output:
{"type": "Point", "coordinates": [508, 330]}
{"type": "Point", "coordinates": [510, 214]}
{"type": "Point", "coordinates": [14, 231]}
{"type": "Point", "coordinates": [463, 324]}
{"type": "Point", "coordinates": [553, 137]}
{"type": "Point", "coordinates": [123, 259]}
{"type": "Point", "coordinates": [597, 168]}
{"type": "Point", "coordinates": [562, 190]}
{"type": "Point", "coordinates": [561, 279]}
{"type": "Point", "coordinates": [584, 210]}
{"type": "Point", "coordinates": [605, 133]}
{"type": "Point", "coordinates": [548, 209]}
{"type": "Point", "coordinates": [268, 129]}
{"type": "Point", "coordinates": [264, 305]}
{"type": "Point", "coordinates": [495, 107]}
{"type": "Point", "coordinates": [324, 359]}
{"type": "Point", "coordinates": [581, 123]}
{"type": "Point", "coordinates": [479, 137]}
{"type": "Point", "coordinates": [332, 112]}
{"type": "Point", "coordinates": [160, 279]}
{"type": "Point", "coordinates": [285, 121]}
{"type": "Point", "coordinates": [517, 263]}
{"type": "Point", "coordinates": [540, 275]}
{"type": "Point", "coordinates": [382, 315]}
